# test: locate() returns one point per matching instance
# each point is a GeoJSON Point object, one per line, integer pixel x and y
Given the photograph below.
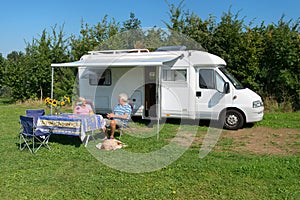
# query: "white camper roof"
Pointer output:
{"type": "Point", "coordinates": [202, 58]}
{"type": "Point", "coordinates": [115, 58]}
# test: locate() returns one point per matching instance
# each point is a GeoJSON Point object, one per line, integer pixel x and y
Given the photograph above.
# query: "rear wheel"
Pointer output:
{"type": "Point", "coordinates": [233, 120]}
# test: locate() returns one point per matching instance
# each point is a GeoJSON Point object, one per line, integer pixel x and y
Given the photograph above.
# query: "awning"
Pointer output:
{"type": "Point", "coordinates": [68, 64]}
{"type": "Point", "coordinates": [121, 60]}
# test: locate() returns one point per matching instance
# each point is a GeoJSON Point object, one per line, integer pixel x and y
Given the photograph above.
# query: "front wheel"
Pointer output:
{"type": "Point", "coordinates": [233, 120]}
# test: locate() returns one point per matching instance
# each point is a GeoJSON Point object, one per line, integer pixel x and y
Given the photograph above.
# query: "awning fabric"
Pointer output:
{"type": "Point", "coordinates": [114, 61]}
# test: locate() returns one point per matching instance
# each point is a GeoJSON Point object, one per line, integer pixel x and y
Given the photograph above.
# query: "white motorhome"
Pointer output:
{"type": "Point", "coordinates": [167, 83]}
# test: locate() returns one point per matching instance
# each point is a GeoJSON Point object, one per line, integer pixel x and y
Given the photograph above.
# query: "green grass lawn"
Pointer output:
{"type": "Point", "coordinates": [281, 120]}
{"type": "Point", "coordinates": [71, 171]}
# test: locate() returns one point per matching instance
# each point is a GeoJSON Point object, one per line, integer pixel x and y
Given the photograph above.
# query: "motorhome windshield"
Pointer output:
{"type": "Point", "coordinates": [232, 79]}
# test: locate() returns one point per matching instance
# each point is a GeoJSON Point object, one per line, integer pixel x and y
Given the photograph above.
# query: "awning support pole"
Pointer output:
{"type": "Point", "coordinates": [52, 82]}
{"type": "Point", "coordinates": [158, 90]}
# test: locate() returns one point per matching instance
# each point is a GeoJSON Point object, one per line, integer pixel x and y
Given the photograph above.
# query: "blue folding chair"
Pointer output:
{"type": "Point", "coordinates": [30, 137]}
{"type": "Point", "coordinates": [35, 113]}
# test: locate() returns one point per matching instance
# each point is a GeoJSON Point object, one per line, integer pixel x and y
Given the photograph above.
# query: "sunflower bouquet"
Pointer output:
{"type": "Point", "coordinates": [57, 104]}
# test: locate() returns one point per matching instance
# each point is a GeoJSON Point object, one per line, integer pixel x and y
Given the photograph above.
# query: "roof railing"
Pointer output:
{"type": "Point", "coordinates": [119, 51]}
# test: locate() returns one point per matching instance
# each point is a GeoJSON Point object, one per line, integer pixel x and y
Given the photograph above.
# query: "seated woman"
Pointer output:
{"type": "Point", "coordinates": [83, 108]}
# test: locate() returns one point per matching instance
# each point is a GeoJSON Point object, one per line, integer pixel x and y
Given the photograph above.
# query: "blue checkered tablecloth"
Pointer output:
{"type": "Point", "coordinates": [70, 124]}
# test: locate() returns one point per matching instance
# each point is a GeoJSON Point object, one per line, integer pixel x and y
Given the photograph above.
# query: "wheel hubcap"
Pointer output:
{"type": "Point", "coordinates": [232, 120]}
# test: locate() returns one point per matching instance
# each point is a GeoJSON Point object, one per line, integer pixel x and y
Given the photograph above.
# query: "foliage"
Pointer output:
{"type": "Point", "coordinates": [90, 38]}
{"type": "Point", "coordinates": [280, 61]}
{"type": "Point", "coordinates": [132, 23]}
{"type": "Point", "coordinates": [29, 75]}
{"type": "Point", "coordinates": [1, 69]}
{"type": "Point", "coordinates": [265, 58]}
{"type": "Point", "coordinates": [15, 76]}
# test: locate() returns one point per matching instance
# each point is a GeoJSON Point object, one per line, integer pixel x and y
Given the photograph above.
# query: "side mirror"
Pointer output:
{"type": "Point", "coordinates": [226, 88]}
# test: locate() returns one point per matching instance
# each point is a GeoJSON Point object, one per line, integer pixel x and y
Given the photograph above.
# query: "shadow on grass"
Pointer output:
{"type": "Point", "coordinates": [65, 140]}
{"type": "Point", "coordinates": [177, 121]}
{"type": "Point", "coordinates": [61, 139]}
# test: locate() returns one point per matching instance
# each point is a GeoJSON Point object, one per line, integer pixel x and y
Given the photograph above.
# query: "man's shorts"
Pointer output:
{"type": "Point", "coordinates": [119, 122]}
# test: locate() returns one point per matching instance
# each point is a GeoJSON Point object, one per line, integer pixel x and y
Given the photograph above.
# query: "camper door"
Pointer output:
{"type": "Point", "coordinates": [210, 98]}
{"type": "Point", "coordinates": [174, 93]}
{"type": "Point", "coordinates": [151, 92]}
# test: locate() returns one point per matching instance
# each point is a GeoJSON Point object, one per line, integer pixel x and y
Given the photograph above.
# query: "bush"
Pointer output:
{"type": "Point", "coordinates": [272, 105]}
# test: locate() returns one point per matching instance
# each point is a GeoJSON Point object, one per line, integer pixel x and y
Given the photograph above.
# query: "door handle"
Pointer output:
{"type": "Point", "coordinates": [198, 93]}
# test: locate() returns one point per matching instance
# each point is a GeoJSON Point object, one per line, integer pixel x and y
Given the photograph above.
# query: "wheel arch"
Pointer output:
{"type": "Point", "coordinates": [222, 113]}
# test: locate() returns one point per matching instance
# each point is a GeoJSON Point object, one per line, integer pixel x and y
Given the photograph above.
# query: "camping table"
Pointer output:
{"type": "Point", "coordinates": [71, 124]}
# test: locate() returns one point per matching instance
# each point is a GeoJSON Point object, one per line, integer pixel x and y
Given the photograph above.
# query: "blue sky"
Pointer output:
{"type": "Point", "coordinates": [23, 20]}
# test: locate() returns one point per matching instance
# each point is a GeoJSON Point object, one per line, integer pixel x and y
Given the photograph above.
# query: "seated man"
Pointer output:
{"type": "Point", "coordinates": [120, 115]}
{"type": "Point", "coordinates": [83, 108]}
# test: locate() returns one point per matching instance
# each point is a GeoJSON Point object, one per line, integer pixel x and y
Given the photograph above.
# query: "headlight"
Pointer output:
{"type": "Point", "coordinates": [257, 104]}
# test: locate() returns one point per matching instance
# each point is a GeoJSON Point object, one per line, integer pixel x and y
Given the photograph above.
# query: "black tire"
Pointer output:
{"type": "Point", "coordinates": [233, 120]}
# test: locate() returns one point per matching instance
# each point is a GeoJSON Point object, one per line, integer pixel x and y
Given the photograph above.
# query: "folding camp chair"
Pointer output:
{"type": "Point", "coordinates": [35, 113]}
{"type": "Point", "coordinates": [90, 134]}
{"type": "Point", "coordinates": [30, 137]}
{"type": "Point", "coordinates": [119, 127]}
{"type": "Point", "coordinates": [91, 103]}
{"type": "Point", "coordinates": [122, 127]}
{"type": "Point", "coordinates": [125, 124]}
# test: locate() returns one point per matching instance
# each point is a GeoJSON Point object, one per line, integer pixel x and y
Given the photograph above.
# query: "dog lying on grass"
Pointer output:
{"type": "Point", "coordinates": [111, 144]}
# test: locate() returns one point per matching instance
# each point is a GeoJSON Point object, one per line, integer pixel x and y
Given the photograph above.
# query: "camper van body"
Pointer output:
{"type": "Point", "coordinates": [168, 84]}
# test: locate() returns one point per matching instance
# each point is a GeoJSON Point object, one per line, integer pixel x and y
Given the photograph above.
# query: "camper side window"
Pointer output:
{"type": "Point", "coordinates": [100, 78]}
{"type": "Point", "coordinates": [174, 75]}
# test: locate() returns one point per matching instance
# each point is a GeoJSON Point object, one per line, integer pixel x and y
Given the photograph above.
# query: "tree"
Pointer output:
{"type": "Point", "coordinates": [14, 75]}
{"type": "Point", "coordinates": [280, 62]}
{"type": "Point", "coordinates": [29, 75]}
{"type": "Point", "coordinates": [39, 61]}
{"type": "Point", "coordinates": [130, 36]}
{"type": "Point", "coordinates": [251, 51]}
{"type": "Point", "coordinates": [176, 17]}
{"type": "Point", "coordinates": [132, 23]}
{"type": "Point", "coordinates": [92, 38]}
{"type": "Point", "coordinates": [190, 27]}
{"type": "Point", "coordinates": [154, 38]}
{"type": "Point", "coordinates": [227, 40]}
{"type": "Point", "coordinates": [265, 59]}
{"type": "Point", "coordinates": [82, 44]}
{"type": "Point", "coordinates": [1, 69]}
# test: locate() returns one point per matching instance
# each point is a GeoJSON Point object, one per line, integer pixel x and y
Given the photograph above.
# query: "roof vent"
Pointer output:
{"type": "Point", "coordinates": [172, 48]}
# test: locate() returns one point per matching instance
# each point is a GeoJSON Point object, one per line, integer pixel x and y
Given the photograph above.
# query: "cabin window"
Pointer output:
{"type": "Point", "coordinates": [102, 77]}
{"type": "Point", "coordinates": [206, 78]}
{"type": "Point", "coordinates": [219, 82]}
{"type": "Point", "coordinates": [209, 79]}
{"type": "Point", "coordinates": [174, 75]}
